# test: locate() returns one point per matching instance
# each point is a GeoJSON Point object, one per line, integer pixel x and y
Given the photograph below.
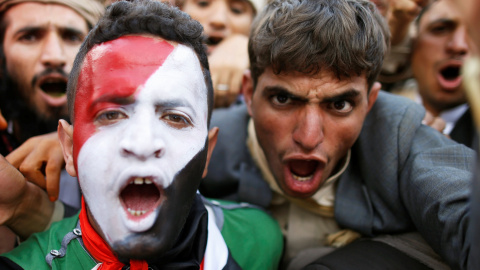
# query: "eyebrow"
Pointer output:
{"type": "Point", "coordinates": [348, 94]}
{"type": "Point", "coordinates": [29, 29]}
{"type": "Point", "coordinates": [176, 103]}
{"type": "Point", "coordinates": [114, 98]}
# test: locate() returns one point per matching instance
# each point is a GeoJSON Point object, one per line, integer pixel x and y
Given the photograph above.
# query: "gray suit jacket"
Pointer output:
{"type": "Point", "coordinates": [403, 176]}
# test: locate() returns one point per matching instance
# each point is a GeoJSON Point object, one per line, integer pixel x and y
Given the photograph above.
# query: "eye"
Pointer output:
{"type": "Point", "coordinates": [342, 106]}
{"type": "Point", "coordinates": [238, 8]}
{"type": "Point", "coordinates": [28, 37]}
{"type": "Point", "coordinates": [280, 99]}
{"type": "Point", "coordinates": [176, 120]}
{"type": "Point", "coordinates": [73, 38]}
{"type": "Point", "coordinates": [203, 4]}
{"type": "Point", "coordinates": [110, 117]}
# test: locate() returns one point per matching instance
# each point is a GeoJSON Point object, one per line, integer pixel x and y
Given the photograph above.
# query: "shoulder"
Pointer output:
{"type": "Point", "coordinates": [249, 232]}
{"type": "Point", "coordinates": [33, 252]}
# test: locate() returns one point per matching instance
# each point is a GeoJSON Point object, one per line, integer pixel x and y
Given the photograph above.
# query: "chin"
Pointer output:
{"type": "Point", "coordinates": [144, 246]}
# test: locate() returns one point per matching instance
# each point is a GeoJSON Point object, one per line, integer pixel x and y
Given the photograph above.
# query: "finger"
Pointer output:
{"type": "Point", "coordinates": [427, 119]}
{"type": "Point", "coordinates": [35, 176]}
{"type": "Point", "coordinates": [12, 181]}
{"type": "Point", "coordinates": [53, 171]}
{"type": "Point", "coordinates": [438, 124]}
{"type": "Point", "coordinates": [17, 156]}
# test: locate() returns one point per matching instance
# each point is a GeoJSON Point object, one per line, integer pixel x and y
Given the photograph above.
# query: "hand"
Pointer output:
{"type": "Point", "coordinates": [401, 14]}
{"type": "Point", "coordinates": [3, 123]}
{"type": "Point", "coordinates": [40, 160]}
{"type": "Point", "coordinates": [227, 63]}
{"type": "Point", "coordinates": [434, 122]}
{"type": "Point", "coordinates": [24, 207]}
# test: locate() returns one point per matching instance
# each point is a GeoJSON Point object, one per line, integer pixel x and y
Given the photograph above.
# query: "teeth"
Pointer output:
{"type": "Point", "coordinates": [136, 212]}
{"type": "Point", "coordinates": [141, 181]}
{"type": "Point", "coordinates": [302, 178]}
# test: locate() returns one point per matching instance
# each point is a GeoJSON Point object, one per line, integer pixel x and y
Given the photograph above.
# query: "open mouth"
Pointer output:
{"type": "Point", "coordinates": [211, 41]}
{"type": "Point", "coordinates": [303, 170]}
{"type": "Point", "coordinates": [55, 87]}
{"type": "Point", "coordinates": [450, 73]}
{"type": "Point", "coordinates": [140, 197]}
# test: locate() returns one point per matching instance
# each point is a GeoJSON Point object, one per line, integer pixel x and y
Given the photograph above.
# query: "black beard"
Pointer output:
{"type": "Point", "coordinates": [28, 121]}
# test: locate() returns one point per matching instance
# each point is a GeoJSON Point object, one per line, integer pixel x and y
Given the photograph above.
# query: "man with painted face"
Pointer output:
{"type": "Point", "coordinates": [140, 98]}
{"type": "Point", "coordinates": [332, 156]}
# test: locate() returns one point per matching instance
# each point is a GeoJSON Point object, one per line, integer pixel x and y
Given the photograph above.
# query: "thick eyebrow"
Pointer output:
{"type": "Point", "coordinates": [176, 103]}
{"type": "Point", "coordinates": [349, 94]}
{"type": "Point", "coordinates": [115, 99]}
{"type": "Point", "coordinates": [280, 90]}
{"type": "Point", "coordinates": [276, 90]}
{"type": "Point", "coordinates": [32, 29]}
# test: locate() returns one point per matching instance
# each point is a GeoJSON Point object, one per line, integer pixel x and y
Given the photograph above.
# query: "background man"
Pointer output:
{"type": "Point", "coordinates": [38, 43]}
{"type": "Point", "coordinates": [438, 54]}
{"type": "Point", "coordinates": [319, 145]}
{"type": "Point", "coordinates": [141, 98]}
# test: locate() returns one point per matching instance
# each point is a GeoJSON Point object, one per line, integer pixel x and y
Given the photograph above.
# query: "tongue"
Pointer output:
{"type": "Point", "coordinates": [140, 197]}
{"type": "Point", "coordinates": [303, 167]}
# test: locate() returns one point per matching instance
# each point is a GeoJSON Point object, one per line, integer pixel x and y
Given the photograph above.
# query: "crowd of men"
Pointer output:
{"type": "Point", "coordinates": [315, 166]}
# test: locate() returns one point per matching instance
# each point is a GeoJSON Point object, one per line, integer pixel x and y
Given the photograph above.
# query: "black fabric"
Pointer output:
{"type": "Point", "coordinates": [7, 143]}
{"type": "Point", "coordinates": [189, 249]}
{"type": "Point", "coordinates": [464, 130]}
{"type": "Point", "coordinates": [368, 255]}
{"type": "Point", "coordinates": [7, 264]}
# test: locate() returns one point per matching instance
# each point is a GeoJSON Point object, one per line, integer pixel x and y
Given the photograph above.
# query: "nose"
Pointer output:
{"type": "Point", "coordinates": [53, 51]}
{"type": "Point", "coordinates": [219, 16]}
{"type": "Point", "coordinates": [308, 132]}
{"type": "Point", "coordinates": [141, 141]}
{"type": "Point", "coordinates": [458, 43]}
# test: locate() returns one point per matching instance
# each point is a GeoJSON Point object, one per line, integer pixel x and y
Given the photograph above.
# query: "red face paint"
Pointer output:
{"type": "Point", "coordinates": [113, 71]}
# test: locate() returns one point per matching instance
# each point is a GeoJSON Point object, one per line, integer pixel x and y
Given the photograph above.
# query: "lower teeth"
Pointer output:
{"type": "Point", "coordinates": [302, 178]}
{"type": "Point", "coordinates": [136, 212]}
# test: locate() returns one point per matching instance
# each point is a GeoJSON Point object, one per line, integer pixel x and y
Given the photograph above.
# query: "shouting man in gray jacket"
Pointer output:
{"type": "Point", "coordinates": [336, 161]}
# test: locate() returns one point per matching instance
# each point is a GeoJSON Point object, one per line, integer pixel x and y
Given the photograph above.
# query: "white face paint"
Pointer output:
{"type": "Point", "coordinates": [151, 139]}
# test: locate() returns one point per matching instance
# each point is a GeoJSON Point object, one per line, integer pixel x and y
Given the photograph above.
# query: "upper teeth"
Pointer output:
{"type": "Point", "coordinates": [141, 181]}
{"type": "Point", "coordinates": [302, 178]}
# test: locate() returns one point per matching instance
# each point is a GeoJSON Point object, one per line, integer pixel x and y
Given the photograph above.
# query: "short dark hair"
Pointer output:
{"type": "Point", "coordinates": [143, 17]}
{"type": "Point", "coordinates": [347, 37]}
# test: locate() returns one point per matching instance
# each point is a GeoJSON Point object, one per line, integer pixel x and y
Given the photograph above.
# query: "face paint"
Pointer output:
{"type": "Point", "coordinates": [139, 120]}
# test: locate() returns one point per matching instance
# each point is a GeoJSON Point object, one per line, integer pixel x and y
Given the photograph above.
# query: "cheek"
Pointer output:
{"type": "Point", "coordinates": [241, 25]}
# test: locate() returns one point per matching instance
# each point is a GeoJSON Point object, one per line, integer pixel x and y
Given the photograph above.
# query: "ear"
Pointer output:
{"type": "Point", "coordinates": [247, 89]}
{"type": "Point", "coordinates": [212, 141]}
{"type": "Point", "coordinates": [372, 96]}
{"type": "Point", "coordinates": [65, 135]}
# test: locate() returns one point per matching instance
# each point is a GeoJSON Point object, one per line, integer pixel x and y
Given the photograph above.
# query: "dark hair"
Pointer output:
{"type": "Point", "coordinates": [143, 17]}
{"type": "Point", "coordinates": [347, 37]}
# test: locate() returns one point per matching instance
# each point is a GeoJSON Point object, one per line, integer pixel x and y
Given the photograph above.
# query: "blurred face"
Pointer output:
{"type": "Point", "coordinates": [470, 10]}
{"type": "Point", "coordinates": [382, 6]}
{"type": "Point", "coordinates": [139, 142]}
{"type": "Point", "coordinates": [306, 125]}
{"type": "Point", "coordinates": [221, 18]}
{"type": "Point", "coordinates": [441, 47]}
{"type": "Point", "coordinates": [40, 44]}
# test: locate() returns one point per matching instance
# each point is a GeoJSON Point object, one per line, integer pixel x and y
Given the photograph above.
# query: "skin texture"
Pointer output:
{"type": "Point", "coordinates": [300, 118]}
{"type": "Point", "coordinates": [153, 125]}
{"type": "Point", "coordinates": [40, 44]}
{"type": "Point", "coordinates": [226, 23]}
{"type": "Point", "coordinates": [442, 41]}
{"type": "Point", "coordinates": [470, 10]}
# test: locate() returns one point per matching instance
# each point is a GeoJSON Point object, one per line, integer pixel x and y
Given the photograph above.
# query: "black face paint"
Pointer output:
{"type": "Point", "coordinates": [173, 213]}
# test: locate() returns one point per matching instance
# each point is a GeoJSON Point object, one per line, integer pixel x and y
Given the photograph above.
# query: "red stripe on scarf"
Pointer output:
{"type": "Point", "coordinates": [99, 249]}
